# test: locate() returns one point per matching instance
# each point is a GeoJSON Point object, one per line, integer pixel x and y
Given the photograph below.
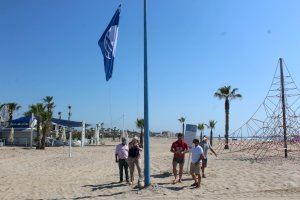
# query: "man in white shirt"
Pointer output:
{"type": "Point", "coordinates": [121, 155]}
{"type": "Point", "coordinates": [197, 156]}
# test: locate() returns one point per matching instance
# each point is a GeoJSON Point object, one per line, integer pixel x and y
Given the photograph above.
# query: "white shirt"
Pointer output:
{"type": "Point", "coordinates": [122, 151]}
{"type": "Point", "coordinates": [196, 153]}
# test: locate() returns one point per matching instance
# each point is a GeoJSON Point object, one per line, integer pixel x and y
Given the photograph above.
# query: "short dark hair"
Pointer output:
{"type": "Point", "coordinates": [196, 141]}
{"type": "Point", "coordinates": [179, 135]}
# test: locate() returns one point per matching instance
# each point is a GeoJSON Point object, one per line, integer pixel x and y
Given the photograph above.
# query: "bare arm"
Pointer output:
{"type": "Point", "coordinates": [116, 153]}
{"type": "Point", "coordinates": [172, 149]}
{"type": "Point", "coordinates": [186, 151]}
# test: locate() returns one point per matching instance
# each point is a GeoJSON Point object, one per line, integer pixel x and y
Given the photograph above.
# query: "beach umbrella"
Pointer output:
{"type": "Point", "coordinates": [63, 136]}
{"type": "Point", "coordinates": [11, 136]}
{"type": "Point", "coordinates": [56, 131]}
{"type": "Point", "coordinates": [83, 134]}
{"type": "Point", "coordinates": [97, 134]}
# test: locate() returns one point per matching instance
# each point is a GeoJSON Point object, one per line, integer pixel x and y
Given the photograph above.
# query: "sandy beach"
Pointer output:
{"type": "Point", "coordinates": [93, 174]}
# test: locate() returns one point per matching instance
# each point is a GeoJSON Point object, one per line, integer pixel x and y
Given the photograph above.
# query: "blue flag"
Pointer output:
{"type": "Point", "coordinates": [108, 43]}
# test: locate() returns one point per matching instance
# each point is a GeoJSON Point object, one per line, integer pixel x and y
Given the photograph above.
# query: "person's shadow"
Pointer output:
{"type": "Point", "coordinates": [162, 175]}
{"type": "Point", "coordinates": [104, 186]}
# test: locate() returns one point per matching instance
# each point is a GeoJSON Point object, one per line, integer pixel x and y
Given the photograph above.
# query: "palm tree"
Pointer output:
{"type": "Point", "coordinates": [228, 94]}
{"type": "Point", "coordinates": [12, 107]}
{"type": "Point", "coordinates": [140, 124]}
{"type": "Point", "coordinates": [48, 101]}
{"type": "Point", "coordinates": [47, 118]}
{"type": "Point", "coordinates": [102, 128]}
{"type": "Point", "coordinates": [69, 117]}
{"type": "Point", "coordinates": [36, 110]}
{"type": "Point", "coordinates": [211, 125]}
{"type": "Point", "coordinates": [201, 127]}
{"type": "Point", "coordinates": [182, 120]}
{"type": "Point", "coordinates": [114, 133]}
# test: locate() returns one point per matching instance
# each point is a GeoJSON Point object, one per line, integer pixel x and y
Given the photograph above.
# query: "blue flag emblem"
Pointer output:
{"type": "Point", "coordinates": [108, 43]}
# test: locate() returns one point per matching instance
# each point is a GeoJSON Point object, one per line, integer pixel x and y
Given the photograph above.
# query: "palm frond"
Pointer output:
{"type": "Point", "coordinates": [212, 124]}
{"type": "Point", "coordinates": [139, 123]}
{"type": "Point", "coordinates": [201, 126]}
{"type": "Point", "coordinates": [218, 95]}
{"type": "Point", "coordinates": [181, 119]}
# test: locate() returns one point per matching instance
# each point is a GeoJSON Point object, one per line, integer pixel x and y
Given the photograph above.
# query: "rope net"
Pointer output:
{"type": "Point", "coordinates": [262, 137]}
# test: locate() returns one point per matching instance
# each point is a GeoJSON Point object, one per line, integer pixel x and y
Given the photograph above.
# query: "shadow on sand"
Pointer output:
{"type": "Point", "coordinates": [101, 195]}
{"type": "Point", "coordinates": [104, 186]}
{"type": "Point", "coordinates": [174, 188]}
{"type": "Point", "coordinates": [162, 175]}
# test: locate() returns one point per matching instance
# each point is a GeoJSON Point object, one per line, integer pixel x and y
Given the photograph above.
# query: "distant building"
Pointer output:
{"type": "Point", "coordinates": [21, 136]}
{"type": "Point", "coordinates": [22, 130]}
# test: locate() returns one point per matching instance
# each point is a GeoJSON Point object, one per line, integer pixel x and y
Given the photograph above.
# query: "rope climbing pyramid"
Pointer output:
{"type": "Point", "coordinates": [273, 130]}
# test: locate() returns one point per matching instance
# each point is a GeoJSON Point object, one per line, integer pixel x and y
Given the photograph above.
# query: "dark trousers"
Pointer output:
{"type": "Point", "coordinates": [123, 164]}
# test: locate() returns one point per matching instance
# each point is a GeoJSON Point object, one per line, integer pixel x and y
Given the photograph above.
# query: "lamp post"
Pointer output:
{"type": "Point", "coordinates": [69, 114]}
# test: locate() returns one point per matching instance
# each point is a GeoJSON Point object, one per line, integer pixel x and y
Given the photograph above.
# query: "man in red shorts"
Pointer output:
{"type": "Point", "coordinates": [178, 148]}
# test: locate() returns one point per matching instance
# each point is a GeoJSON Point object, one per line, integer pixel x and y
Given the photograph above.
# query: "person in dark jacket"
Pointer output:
{"type": "Point", "coordinates": [134, 159]}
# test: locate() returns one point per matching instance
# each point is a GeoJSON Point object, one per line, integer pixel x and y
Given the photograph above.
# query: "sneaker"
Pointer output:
{"type": "Point", "coordinates": [203, 176]}
{"type": "Point", "coordinates": [194, 184]}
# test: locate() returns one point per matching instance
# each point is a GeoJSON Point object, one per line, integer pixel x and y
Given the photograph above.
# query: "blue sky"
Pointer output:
{"type": "Point", "coordinates": [195, 47]}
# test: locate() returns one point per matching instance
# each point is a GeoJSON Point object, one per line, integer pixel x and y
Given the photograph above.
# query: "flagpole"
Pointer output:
{"type": "Point", "coordinates": [146, 114]}
{"type": "Point", "coordinates": [123, 133]}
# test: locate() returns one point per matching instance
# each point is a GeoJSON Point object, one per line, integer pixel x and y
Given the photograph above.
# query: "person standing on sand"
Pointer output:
{"type": "Point", "coordinates": [178, 149]}
{"type": "Point", "coordinates": [197, 156]}
{"type": "Point", "coordinates": [134, 159]}
{"type": "Point", "coordinates": [121, 158]}
{"type": "Point", "coordinates": [205, 146]}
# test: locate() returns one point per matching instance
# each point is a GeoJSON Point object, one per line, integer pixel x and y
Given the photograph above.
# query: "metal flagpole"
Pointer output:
{"type": "Point", "coordinates": [146, 114]}
{"type": "Point", "coordinates": [123, 133]}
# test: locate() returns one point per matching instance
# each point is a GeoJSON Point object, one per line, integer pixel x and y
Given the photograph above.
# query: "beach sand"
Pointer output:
{"type": "Point", "coordinates": [93, 174]}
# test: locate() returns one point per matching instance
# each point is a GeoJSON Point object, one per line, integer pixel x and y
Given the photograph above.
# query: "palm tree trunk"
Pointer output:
{"type": "Point", "coordinates": [10, 117]}
{"type": "Point", "coordinates": [43, 143]}
{"type": "Point", "coordinates": [211, 137]}
{"type": "Point", "coordinates": [201, 136]}
{"type": "Point", "coordinates": [142, 138]}
{"type": "Point", "coordinates": [226, 123]}
{"type": "Point", "coordinates": [183, 129]}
